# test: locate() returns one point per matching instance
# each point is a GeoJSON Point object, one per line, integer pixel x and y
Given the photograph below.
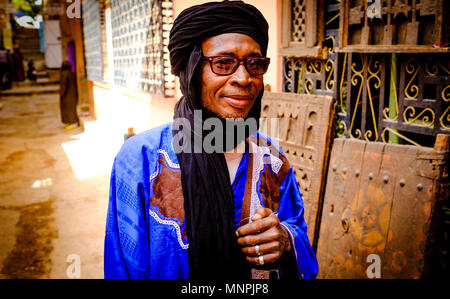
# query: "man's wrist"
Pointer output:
{"type": "Point", "coordinates": [287, 243]}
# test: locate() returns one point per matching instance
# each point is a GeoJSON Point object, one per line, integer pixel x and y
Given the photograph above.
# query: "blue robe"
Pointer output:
{"type": "Point", "coordinates": [145, 229]}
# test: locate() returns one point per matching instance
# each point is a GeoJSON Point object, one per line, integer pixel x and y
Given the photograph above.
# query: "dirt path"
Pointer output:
{"type": "Point", "coordinates": [53, 192]}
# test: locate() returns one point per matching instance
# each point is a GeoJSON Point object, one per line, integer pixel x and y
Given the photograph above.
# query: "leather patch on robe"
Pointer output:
{"type": "Point", "coordinates": [270, 184]}
{"type": "Point", "coordinates": [169, 194]}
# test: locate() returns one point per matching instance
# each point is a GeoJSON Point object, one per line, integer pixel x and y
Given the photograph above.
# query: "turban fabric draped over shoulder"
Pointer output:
{"type": "Point", "coordinates": [208, 197]}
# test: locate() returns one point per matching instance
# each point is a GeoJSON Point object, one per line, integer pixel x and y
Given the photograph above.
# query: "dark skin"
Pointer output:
{"type": "Point", "coordinates": [233, 96]}
{"type": "Point", "coordinates": [266, 231]}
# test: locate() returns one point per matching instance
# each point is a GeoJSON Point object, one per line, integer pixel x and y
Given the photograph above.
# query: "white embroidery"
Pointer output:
{"type": "Point", "coordinates": [275, 163]}
{"type": "Point", "coordinates": [155, 215]}
{"type": "Point", "coordinates": [169, 162]}
{"type": "Point", "coordinates": [258, 166]}
{"type": "Point", "coordinates": [174, 224]}
{"type": "Point", "coordinates": [166, 156]}
{"type": "Point", "coordinates": [259, 161]}
{"type": "Point", "coordinates": [155, 174]}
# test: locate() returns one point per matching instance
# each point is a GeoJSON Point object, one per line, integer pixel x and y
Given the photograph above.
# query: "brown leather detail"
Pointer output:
{"type": "Point", "coordinates": [270, 184]}
{"type": "Point", "coordinates": [245, 212]}
{"type": "Point", "coordinates": [265, 274]}
{"type": "Point", "coordinates": [169, 194]}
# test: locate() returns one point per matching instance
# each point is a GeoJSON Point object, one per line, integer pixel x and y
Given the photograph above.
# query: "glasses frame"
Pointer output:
{"type": "Point", "coordinates": [240, 61]}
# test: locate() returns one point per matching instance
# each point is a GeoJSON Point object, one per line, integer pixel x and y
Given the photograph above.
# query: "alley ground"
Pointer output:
{"type": "Point", "coordinates": [53, 188]}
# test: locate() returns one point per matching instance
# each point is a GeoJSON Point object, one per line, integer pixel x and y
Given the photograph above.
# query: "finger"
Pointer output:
{"type": "Point", "coordinates": [261, 225]}
{"type": "Point", "coordinates": [265, 248]}
{"type": "Point", "coordinates": [267, 258]}
{"type": "Point", "coordinates": [272, 234]}
{"type": "Point", "coordinates": [261, 213]}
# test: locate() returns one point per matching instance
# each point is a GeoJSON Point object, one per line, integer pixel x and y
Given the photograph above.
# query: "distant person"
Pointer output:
{"type": "Point", "coordinates": [10, 57]}
{"type": "Point", "coordinates": [68, 96]}
{"type": "Point", "coordinates": [4, 68]}
{"type": "Point", "coordinates": [19, 72]}
{"type": "Point", "coordinates": [31, 72]}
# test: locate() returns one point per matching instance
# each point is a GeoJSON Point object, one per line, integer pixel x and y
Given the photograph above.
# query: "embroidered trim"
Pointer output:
{"type": "Point", "coordinates": [153, 213]}
{"type": "Point", "coordinates": [166, 157]}
{"type": "Point", "coordinates": [291, 235]}
{"type": "Point", "coordinates": [163, 153]}
{"type": "Point", "coordinates": [258, 166]}
{"type": "Point", "coordinates": [172, 223]}
{"type": "Point", "coordinates": [260, 155]}
{"type": "Point", "coordinates": [292, 238]}
{"type": "Point", "coordinates": [155, 174]}
{"type": "Point", "coordinates": [275, 163]}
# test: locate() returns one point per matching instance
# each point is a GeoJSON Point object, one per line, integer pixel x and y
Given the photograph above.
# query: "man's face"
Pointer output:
{"type": "Point", "coordinates": [231, 96]}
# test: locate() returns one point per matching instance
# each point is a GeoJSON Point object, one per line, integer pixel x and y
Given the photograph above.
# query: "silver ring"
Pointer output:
{"type": "Point", "coordinates": [257, 250]}
{"type": "Point", "coordinates": [261, 260]}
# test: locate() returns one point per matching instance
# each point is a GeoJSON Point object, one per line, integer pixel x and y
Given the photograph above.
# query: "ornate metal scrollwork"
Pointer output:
{"type": "Point", "coordinates": [412, 68]}
{"type": "Point", "coordinates": [329, 67]}
{"type": "Point", "coordinates": [341, 128]}
{"type": "Point", "coordinates": [288, 76]}
{"type": "Point", "coordinates": [398, 135]}
{"type": "Point", "coordinates": [374, 75]}
{"type": "Point", "coordinates": [357, 80]}
{"type": "Point", "coordinates": [313, 66]}
{"type": "Point", "coordinates": [421, 117]}
{"type": "Point", "coordinates": [444, 120]}
{"type": "Point", "coordinates": [433, 66]}
{"type": "Point", "coordinates": [406, 95]}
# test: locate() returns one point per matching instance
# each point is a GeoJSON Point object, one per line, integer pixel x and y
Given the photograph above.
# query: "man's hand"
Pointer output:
{"type": "Point", "coordinates": [265, 231]}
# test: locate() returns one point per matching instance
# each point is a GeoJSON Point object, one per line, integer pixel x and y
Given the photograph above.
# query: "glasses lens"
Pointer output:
{"type": "Point", "coordinates": [224, 65]}
{"type": "Point", "coordinates": [257, 65]}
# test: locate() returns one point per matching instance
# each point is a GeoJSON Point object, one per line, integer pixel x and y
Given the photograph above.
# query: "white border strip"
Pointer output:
{"type": "Point", "coordinates": [172, 223]}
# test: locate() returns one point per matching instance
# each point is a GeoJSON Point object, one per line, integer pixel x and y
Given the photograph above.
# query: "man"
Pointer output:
{"type": "Point", "coordinates": [4, 68]}
{"type": "Point", "coordinates": [19, 73]}
{"type": "Point", "coordinates": [179, 212]}
{"type": "Point", "coordinates": [68, 97]}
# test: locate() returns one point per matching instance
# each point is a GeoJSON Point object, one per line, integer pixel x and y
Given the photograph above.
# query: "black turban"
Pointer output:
{"type": "Point", "coordinates": [197, 23]}
{"type": "Point", "coordinates": [208, 196]}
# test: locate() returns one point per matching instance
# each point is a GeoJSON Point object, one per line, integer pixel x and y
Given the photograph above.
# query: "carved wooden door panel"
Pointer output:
{"type": "Point", "coordinates": [380, 199]}
{"type": "Point", "coordinates": [304, 125]}
{"type": "Point", "coordinates": [393, 26]}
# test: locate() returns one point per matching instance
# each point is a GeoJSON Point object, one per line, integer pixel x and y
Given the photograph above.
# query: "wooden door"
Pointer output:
{"type": "Point", "coordinates": [381, 200]}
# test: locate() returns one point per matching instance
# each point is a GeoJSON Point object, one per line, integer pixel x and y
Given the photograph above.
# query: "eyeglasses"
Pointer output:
{"type": "Point", "coordinates": [227, 65]}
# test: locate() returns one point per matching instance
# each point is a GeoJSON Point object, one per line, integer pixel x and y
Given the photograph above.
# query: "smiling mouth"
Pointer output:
{"type": "Point", "coordinates": [240, 98]}
{"type": "Point", "coordinates": [239, 103]}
